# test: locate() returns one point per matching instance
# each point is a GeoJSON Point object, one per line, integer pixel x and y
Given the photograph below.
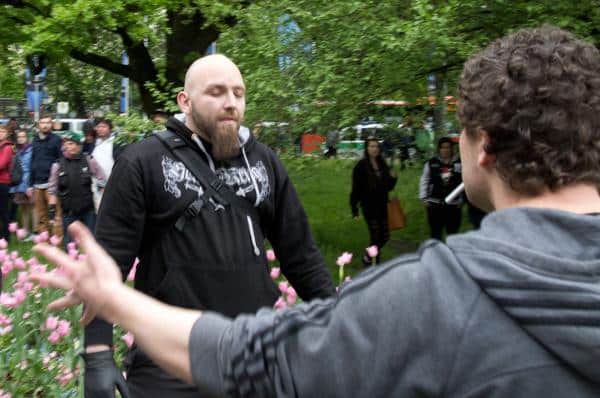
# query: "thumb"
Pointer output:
{"type": "Point", "coordinates": [121, 384]}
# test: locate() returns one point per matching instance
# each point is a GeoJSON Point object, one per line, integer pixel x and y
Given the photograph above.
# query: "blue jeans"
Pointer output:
{"type": "Point", "coordinates": [87, 217]}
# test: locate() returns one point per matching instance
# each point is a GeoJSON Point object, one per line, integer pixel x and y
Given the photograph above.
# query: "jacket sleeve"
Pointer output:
{"type": "Point", "coordinates": [424, 182]}
{"type": "Point", "coordinates": [370, 342]}
{"type": "Point", "coordinates": [32, 166]}
{"type": "Point", "coordinates": [356, 189]}
{"type": "Point", "coordinates": [53, 180]}
{"type": "Point", "coordinates": [6, 154]}
{"type": "Point", "coordinates": [97, 171]}
{"type": "Point", "coordinates": [119, 229]}
{"type": "Point", "coordinates": [289, 233]}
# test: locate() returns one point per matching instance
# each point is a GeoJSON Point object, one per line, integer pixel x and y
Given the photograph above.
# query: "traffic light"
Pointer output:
{"type": "Point", "coordinates": [36, 63]}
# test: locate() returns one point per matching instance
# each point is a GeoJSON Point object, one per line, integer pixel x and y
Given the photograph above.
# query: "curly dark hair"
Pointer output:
{"type": "Point", "coordinates": [537, 94]}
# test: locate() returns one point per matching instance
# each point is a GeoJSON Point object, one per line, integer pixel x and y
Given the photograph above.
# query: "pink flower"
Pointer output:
{"type": "Point", "coordinates": [7, 300]}
{"type": "Point", "coordinates": [6, 267]}
{"type": "Point", "coordinates": [51, 323]}
{"type": "Point", "coordinates": [128, 339]}
{"type": "Point", "coordinates": [291, 300]}
{"type": "Point", "coordinates": [19, 295]}
{"type": "Point", "coordinates": [55, 240]}
{"type": "Point", "coordinates": [2, 254]}
{"type": "Point", "coordinates": [54, 337]}
{"type": "Point", "coordinates": [14, 255]}
{"type": "Point", "coordinates": [22, 278]}
{"type": "Point", "coordinates": [37, 239]}
{"type": "Point", "coordinates": [71, 246]}
{"type": "Point", "coordinates": [27, 286]}
{"type": "Point", "coordinates": [5, 330]}
{"type": "Point", "coordinates": [21, 233]}
{"type": "Point", "coordinates": [280, 303]}
{"type": "Point", "coordinates": [12, 227]}
{"type": "Point", "coordinates": [5, 320]}
{"type": "Point", "coordinates": [283, 286]}
{"type": "Point", "coordinates": [275, 271]}
{"type": "Point", "coordinates": [63, 328]}
{"type": "Point", "coordinates": [19, 263]}
{"type": "Point", "coordinates": [271, 255]}
{"type": "Point", "coordinates": [44, 236]}
{"type": "Point", "coordinates": [73, 254]}
{"type": "Point", "coordinates": [65, 378]}
{"type": "Point", "coordinates": [291, 291]}
{"type": "Point", "coordinates": [3, 243]}
{"type": "Point", "coordinates": [344, 259]}
{"type": "Point", "coordinates": [372, 251]}
{"type": "Point", "coordinates": [32, 261]}
{"type": "Point", "coordinates": [133, 270]}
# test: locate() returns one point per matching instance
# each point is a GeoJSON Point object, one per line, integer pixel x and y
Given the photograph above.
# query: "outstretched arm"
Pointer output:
{"type": "Point", "coordinates": [97, 281]}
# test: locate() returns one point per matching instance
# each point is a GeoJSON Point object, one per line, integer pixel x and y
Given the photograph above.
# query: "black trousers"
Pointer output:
{"type": "Point", "coordinates": [4, 210]}
{"type": "Point", "coordinates": [146, 380]}
{"type": "Point", "coordinates": [443, 217]}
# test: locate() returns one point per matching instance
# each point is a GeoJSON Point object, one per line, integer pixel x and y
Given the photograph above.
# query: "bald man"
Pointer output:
{"type": "Point", "coordinates": [197, 250]}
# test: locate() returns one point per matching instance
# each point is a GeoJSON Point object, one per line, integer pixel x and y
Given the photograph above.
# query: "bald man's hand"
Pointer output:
{"type": "Point", "coordinates": [92, 281]}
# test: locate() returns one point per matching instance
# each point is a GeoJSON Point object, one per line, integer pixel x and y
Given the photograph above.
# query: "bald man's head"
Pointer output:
{"type": "Point", "coordinates": [209, 66]}
{"type": "Point", "coordinates": [214, 102]}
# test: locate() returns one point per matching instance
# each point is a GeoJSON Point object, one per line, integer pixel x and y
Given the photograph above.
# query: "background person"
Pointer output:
{"type": "Point", "coordinates": [71, 181]}
{"type": "Point", "coordinates": [441, 174]}
{"type": "Point", "coordinates": [504, 311]}
{"type": "Point", "coordinates": [372, 179]}
{"type": "Point", "coordinates": [6, 155]}
{"type": "Point", "coordinates": [21, 201]}
{"type": "Point", "coordinates": [46, 150]}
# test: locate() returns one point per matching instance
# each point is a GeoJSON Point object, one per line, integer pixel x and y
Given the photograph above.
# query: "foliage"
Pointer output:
{"type": "Point", "coordinates": [39, 351]}
{"type": "Point", "coordinates": [159, 36]}
{"type": "Point", "coordinates": [133, 127]}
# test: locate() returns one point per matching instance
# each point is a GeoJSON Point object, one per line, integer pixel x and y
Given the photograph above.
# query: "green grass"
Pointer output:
{"type": "Point", "coordinates": [324, 189]}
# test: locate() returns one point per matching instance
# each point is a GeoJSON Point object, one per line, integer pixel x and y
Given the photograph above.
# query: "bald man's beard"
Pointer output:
{"type": "Point", "coordinates": [223, 137]}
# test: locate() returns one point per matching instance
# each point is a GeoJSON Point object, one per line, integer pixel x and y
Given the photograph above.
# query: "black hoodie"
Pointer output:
{"type": "Point", "coordinates": [218, 260]}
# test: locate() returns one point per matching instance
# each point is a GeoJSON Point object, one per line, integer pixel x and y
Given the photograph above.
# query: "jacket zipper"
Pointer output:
{"type": "Point", "coordinates": [252, 237]}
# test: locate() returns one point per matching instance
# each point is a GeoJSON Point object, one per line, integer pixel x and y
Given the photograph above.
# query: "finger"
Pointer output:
{"type": "Point", "coordinates": [58, 257]}
{"type": "Point", "coordinates": [85, 239]}
{"type": "Point", "coordinates": [53, 280]}
{"type": "Point", "coordinates": [89, 314]}
{"type": "Point", "coordinates": [68, 301]}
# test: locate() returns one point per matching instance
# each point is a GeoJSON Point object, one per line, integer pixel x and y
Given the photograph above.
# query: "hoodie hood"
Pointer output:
{"type": "Point", "coordinates": [542, 267]}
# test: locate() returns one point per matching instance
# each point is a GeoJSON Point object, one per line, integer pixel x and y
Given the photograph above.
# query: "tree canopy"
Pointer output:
{"type": "Point", "coordinates": [313, 63]}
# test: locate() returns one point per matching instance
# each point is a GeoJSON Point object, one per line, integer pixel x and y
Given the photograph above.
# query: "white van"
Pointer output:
{"type": "Point", "coordinates": [72, 124]}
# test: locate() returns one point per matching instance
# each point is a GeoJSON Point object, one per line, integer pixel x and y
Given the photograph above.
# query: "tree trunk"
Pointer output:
{"type": "Point", "coordinates": [188, 40]}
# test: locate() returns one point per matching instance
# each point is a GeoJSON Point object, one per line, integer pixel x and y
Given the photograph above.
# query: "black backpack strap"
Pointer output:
{"type": "Point", "coordinates": [213, 186]}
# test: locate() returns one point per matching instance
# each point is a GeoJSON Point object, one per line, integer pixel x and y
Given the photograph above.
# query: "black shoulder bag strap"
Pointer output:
{"type": "Point", "coordinates": [213, 186]}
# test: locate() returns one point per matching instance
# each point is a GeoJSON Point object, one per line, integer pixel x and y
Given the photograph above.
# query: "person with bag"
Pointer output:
{"type": "Point", "coordinates": [71, 181]}
{"type": "Point", "coordinates": [372, 180]}
{"type": "Point", "coordinates": [441, 174]}
{"type": "Point", "coordinates": [195, 205]}
{"type": "Point", "coordinates": [20, 199]}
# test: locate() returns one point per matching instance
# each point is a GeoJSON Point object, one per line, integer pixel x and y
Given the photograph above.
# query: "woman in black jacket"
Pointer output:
{"type": "Point", "coordinates": [372, 179]}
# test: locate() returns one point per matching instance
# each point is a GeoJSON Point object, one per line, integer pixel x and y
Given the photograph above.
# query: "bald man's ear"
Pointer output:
{"type": "Point", "coordinates": [183, 100]}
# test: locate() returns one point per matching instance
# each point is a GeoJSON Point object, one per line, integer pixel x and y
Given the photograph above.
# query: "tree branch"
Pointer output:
{"type": "Point", "coordinates": [102, 62]}
{"type": "Point", "coordinates": [23, 4]}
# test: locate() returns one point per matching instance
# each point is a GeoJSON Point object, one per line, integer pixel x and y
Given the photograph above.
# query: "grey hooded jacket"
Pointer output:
{"type": "Point", "coordinates": [511, 310]}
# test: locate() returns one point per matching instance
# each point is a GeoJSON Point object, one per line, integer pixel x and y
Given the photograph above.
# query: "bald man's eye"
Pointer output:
{"type": "Point", "coordinates": [239, 92]}
{"type": "Point", "coordinates": [215, 91]}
